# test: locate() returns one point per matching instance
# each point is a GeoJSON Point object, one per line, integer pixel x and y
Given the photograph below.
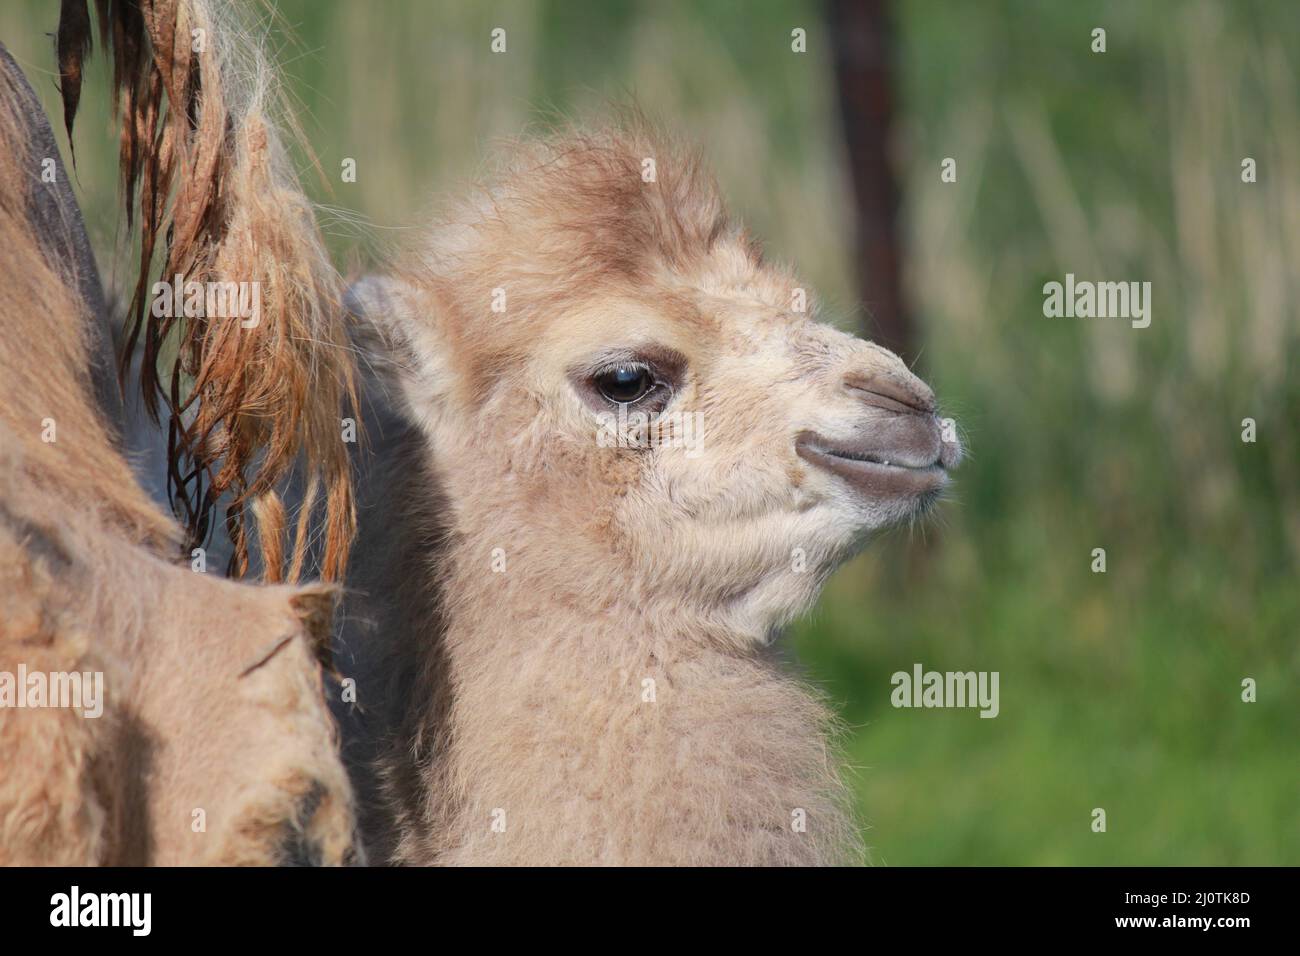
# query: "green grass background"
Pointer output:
{"type": "Point", "coordinates": [1118, 690]}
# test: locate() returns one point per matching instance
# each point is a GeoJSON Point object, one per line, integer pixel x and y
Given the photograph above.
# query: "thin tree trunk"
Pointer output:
{"type": "Point", "coordinates": [862, 39]}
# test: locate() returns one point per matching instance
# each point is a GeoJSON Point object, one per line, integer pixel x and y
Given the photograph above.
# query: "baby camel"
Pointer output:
{"type": "Point", "coordinates": [568, 656]}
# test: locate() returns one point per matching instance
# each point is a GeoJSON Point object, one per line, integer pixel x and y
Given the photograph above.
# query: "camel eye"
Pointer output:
{"type": "Point", "coordinates": [625, 384]}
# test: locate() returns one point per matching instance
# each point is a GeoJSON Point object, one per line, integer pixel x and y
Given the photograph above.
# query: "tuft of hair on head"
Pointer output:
{"type": "Point", "coordinates": [205, 173]}
{"type": "Point", "coordinates": [608, 200]}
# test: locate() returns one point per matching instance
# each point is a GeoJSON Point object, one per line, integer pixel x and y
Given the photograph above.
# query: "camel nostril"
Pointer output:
{"type": "Point", "coordinates": [892, 394]}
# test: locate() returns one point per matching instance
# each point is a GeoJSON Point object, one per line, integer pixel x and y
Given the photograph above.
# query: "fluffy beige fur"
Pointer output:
{"type": "Point", "coordinates": [596, 681]}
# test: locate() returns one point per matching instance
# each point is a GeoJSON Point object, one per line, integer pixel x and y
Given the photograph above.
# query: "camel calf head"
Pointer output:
{"type": "Point", "coordinates": [618, 386]}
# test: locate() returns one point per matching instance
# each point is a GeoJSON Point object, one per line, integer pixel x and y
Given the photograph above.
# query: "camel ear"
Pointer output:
{"type": "Point", "coordinates": [392, 327]}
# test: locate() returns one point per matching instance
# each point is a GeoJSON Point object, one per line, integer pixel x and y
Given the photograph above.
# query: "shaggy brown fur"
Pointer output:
{"type": "Point", "coordinates": [211, 688]}
{"type": "Point", "coordinates": [587, 674]}
{"type": "Point", "coordinates": [202, 160]}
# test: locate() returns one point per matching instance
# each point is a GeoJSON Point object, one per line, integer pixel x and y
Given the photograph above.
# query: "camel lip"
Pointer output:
{"type": "Point", "coordinates": [810, 443]}
{"type": "Point", "coordinates": [874, 473]}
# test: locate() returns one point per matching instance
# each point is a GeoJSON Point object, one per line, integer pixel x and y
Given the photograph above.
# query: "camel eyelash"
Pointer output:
{"type": "Point", "coordinates": [608, 367]}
